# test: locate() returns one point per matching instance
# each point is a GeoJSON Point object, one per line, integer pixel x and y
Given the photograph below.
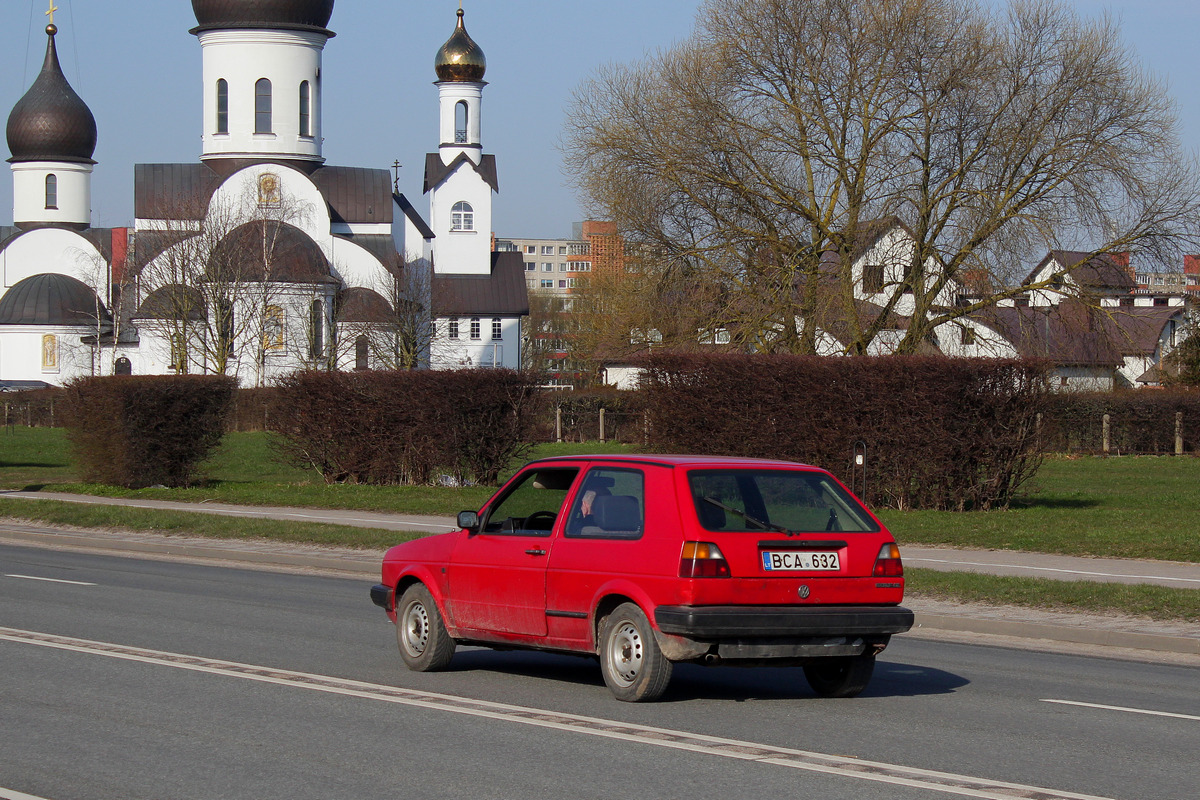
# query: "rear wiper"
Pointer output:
{"type": "Point", "coordinates": [766, 526]}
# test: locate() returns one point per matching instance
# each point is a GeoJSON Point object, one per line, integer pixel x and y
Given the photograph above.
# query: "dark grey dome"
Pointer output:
{"type": "Point", "coordinates": [460, 59]}
{"type": "Point", "coordinates": [51, 299]}
{"type": "Point", "coordinates": [269, 251]}
{"type": "Point", "coordinates": [51, 122]}
{"type": "Point", "coordinates": [359, 304]}
{"type": "Point", "coordinates": [300, 14]}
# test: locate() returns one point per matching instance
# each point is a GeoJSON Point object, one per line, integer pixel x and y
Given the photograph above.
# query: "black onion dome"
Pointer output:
{"type": "Point", "coordinates": [460, 59]}
{"type": "Point", "coordinates": [295, 14]}
{"type": "Point", "coordinates": [51, 122]}
{"type": "Point", "coordinates": [50, 299]}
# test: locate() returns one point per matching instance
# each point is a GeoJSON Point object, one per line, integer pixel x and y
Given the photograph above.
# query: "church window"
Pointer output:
{"type": "Point", "coordinates": [453, 332]}
{"type": "Point", "coordinates": [262, 106]}
{"type": "Point", "coordinates": [305, 108]}
{"type": "Point", "coordinates": [222, 106]}
{"type": "Point", "coordinates": [52, 191]}
{"type": "Point", "coordinates": [460, 122]}
{"type": "Point", "coordinates": [273, 328]}
{"type": "Point", "coordinates": [475, 328]}
{"type": "Point", "coordinates": [497, 329]}
{"type": "Point", "coordinates": [462, 217]}
{"type": "Point", "coordinates": [317, 325]}
{"type": "Point", "coordinates": [361, 353]}
{"type": "Point", "coordinates": [872, 281]}
{"type": "Point", "coordinates": [50, 353]}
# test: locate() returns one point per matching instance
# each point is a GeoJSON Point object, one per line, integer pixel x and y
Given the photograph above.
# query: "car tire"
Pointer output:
{"type": "Point", "coordinates": [843, 676]}
{"type": "Point", "coordinates": [634, 667]}
{"type": "Point", "coordinates": [424, 643]}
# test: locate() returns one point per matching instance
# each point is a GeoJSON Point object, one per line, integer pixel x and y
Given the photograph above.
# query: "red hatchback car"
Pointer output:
{"type": "Point", "coordinates": [645, 561]}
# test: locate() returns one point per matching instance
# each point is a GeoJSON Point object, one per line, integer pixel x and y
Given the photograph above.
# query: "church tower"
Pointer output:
{"type": "Point", "coordinates": [459, 178]}
{"type": "Point", "coordinates": [262, 79]}
{"type": "Point", "coordinates": [52, 136]}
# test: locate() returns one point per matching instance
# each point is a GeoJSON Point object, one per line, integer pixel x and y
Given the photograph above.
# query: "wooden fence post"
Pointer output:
{"type": "Point", "coordinates": [1107, 433]}
{"type": "Point", "coordinates": [1178, 433]}
{"type": "Point", "coordinates": [601, 426]}
{"type": "Point", "coordinates": [558, 424]}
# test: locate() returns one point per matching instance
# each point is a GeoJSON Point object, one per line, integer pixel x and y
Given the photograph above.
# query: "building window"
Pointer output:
{"type": "Point", "coordinates": [50, 353]}
{"type": "Point", "coordinates": [547, 284]}
{"type": "Point", "coordinates": [52, 191]}
{"type": "Point", "coordinates": [460, 122]}
{"type": "Point", "coordinates": [547, 266]}
{"type": "Point", "coordinates": [531, 248]}
{"type": "Point", "coordinates": [462, 217]}
{"type": "Point", "coordinates": [562, 249]}
{"type": "Point", "coordinates": [262, 106]}
{"type": "Point", "coordinates": [547, 249]}
{"type": "Point", "coordinates": [872, 281]}
{"type": "Point", "coordinates": [968, 336]}
{"type": "Point", "coordinates": [305, 108]}
{"type": "Point", "coordinates": [475, 335]}
{"type": "Point", "coordinates": [452, 333]}
{"type": "Point", "coordinates": [562, 284]}
{"type": "Point", "coordinates": [361, 352]}
{"type": "Point", "coordinates": [1160, 301]}
{"type": "Point", "coordinates": [531, 266]}
{"type": "Point", "coordinates": [317, 324]}
{"type": "Point", "coordinates": [273, 328]}
{"type": "Point", "coordinates": [222, 106]}
{"type": "Point", "coordinates": [497, 329]}
{"type": "Point", "coordinates": [1126, 301]}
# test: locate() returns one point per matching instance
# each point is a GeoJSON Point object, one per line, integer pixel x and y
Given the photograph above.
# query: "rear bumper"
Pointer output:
{"type": "Point", "coordinates": [725, 622]}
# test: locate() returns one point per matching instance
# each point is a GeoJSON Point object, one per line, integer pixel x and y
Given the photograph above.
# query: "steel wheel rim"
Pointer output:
{"type": "Point", "coordinates": [625, 654]}
{"type": "Point", "coordinates": [416, 628]}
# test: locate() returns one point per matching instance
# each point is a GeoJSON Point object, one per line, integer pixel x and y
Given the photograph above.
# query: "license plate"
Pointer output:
{"type": "Point", "coordinates": [799, 561]}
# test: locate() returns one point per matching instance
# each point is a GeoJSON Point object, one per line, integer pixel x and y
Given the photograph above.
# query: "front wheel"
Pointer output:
{"type": "Point", "coordinates": [634, 667]}
{"type": "Point", "coordinates": [842, 676]}
{"type": "Point", "coordinates": [424, 643]}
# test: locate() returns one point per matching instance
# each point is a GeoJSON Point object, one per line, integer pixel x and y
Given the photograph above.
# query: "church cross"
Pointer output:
{"type": "Point", "coordinates": [50, 13]}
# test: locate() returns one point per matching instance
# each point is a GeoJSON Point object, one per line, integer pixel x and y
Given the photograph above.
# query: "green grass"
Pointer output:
{"type": "Point", "coordinates": [1140, 600]}
{"type": "Point", "coordinates": [1130, 507]}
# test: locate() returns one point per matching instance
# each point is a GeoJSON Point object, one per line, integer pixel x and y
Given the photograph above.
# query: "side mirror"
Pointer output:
{"type": "Point", "coordinates": [469, 520]}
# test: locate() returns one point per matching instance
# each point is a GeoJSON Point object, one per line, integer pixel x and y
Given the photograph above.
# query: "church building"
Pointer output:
{"type": "Point", "coordinates": [260, 258]}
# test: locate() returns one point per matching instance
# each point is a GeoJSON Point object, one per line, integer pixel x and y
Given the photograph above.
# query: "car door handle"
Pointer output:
{"type": "Point", "coordinates": [536, 552]}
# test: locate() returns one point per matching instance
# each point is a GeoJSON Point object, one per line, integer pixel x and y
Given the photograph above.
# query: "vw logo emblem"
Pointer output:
{"type": "Point", "coordinates": [804, 592]}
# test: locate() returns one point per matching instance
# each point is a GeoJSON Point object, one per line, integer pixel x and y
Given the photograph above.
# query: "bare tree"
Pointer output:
{"type": "Point", "coordinates": [763, 152]}
{"type": "Point", "coordinates": [387, 324]}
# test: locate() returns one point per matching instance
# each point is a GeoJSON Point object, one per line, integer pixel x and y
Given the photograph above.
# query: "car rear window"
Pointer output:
{"type": "Point", "coordinates": [788, 501]}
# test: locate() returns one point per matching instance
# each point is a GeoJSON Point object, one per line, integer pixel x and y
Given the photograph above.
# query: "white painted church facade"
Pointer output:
{"type": "Point", "coordinates": [259, 259]}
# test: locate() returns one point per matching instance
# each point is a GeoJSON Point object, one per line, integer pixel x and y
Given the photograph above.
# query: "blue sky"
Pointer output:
{"type": "Point", "coordinates": [138, 69]}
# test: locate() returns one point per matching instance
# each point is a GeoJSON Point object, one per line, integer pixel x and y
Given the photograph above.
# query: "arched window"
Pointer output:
{"type": "Point", "coordinates": [305, 108]}
{"type": "Point", "coordinates": [460, 121]}
{"type": "Point", "coordinates": [497, 329]}
{"type": "Point", "coordinates": [262, 106]}
{"type": "Point", "coordinates": [317, 324]}
{"type": "Point", "coordinates": [462, 217]}
{"type": "Point", "coordinates": [222, 106]}
{"type": "Point", "coordinates": [452, 329]}
{"type": "Point", "coordinates": [51, 191]}
{"type": "Point", "coordinates": [361, 353]}
{"type": "Point", "coordinates": [475, 328]}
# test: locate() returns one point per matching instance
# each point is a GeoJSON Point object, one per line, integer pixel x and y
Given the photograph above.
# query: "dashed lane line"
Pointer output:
{"type": "Point", "coordinates": [854, 768]}
{"type": "Point", "coordinates": [1103, 707]}
{"type": "Point", "coordinates": [51, 580]}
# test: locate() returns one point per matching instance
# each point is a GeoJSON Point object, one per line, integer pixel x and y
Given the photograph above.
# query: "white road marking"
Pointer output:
{"type": "Point", "coordinates": [914, 560]}
{"type": "Point", "coordinates": [51, 580]}
{"type": "Point", "coordinates": [1122, 708]}
{"type": "Point", "coordinates": [9, 794]}
{"type": "Point", "coordinates": [895, 774]}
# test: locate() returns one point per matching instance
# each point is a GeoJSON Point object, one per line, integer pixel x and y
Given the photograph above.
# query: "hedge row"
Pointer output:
{"type": "Point", "coordinates": [145, 430]}
{"type": "Point", "coordinates": [406, 427]}
{"type": "Point", "coordinates": [1141, 422]}
{"type": "Point", "coordinates": [575, 417]}
{"type": "Point", "coordinates": [938, 433]}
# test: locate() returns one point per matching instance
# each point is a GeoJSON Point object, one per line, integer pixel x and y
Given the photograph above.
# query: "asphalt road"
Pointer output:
{"type": "Point", "coordinates": [148, 679]}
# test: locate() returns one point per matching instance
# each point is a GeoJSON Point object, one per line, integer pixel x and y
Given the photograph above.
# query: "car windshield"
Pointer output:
{"type": "Point", "coordinates": [787, 501]}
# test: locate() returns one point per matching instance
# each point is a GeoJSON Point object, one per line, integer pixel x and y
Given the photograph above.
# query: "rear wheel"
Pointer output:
{"type": "Point", "coordinates": [424, 643]}
{"type": "Point", "coordinates": [634, 667]}
{"type": "Point", "coordinates": [842, 676]}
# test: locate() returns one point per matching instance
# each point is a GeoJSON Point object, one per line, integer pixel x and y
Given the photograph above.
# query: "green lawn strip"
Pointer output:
{"type": "Point", "coordinates": [76, 515]}
{"type": "Point", "coordinates": [1138, 600]}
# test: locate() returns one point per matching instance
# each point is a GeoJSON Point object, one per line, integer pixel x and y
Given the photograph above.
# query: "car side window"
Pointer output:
{"type": "Point", "coordinates": [532, 505]}
{"type": "Point", "coordinates": [610, 504]}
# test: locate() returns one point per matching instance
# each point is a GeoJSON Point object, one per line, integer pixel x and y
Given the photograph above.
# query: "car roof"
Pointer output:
{"type": "Point", "coordinates": [678, 460]}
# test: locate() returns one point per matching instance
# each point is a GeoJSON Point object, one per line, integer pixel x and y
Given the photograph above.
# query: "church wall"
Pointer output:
{"type": "Point", "coordinates": [73, 189]}
{"type": "Point", "coordinates": [462, 252]}
{"type": "Point", "coordinates": [26, 354]}
{"type": "Point", "coordinates": [48, 250]}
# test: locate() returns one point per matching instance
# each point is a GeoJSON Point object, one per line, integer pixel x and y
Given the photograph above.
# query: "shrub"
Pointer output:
{"type": "Point", "coordinates": [404, 427]}
{"type": "Point", "coordinates": [145, 430]}
{"type": "Point", "coordinates": [937, 433]}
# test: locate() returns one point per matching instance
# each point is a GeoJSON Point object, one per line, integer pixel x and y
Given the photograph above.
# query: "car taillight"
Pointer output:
{"type": "Point", "coordinates": [887, 563]}
{"type": "Point", "coordinates": [702, 560]}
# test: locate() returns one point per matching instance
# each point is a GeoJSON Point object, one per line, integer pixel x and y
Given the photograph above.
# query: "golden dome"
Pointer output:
{"type": "Point", "coordinates": [460, 59]}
